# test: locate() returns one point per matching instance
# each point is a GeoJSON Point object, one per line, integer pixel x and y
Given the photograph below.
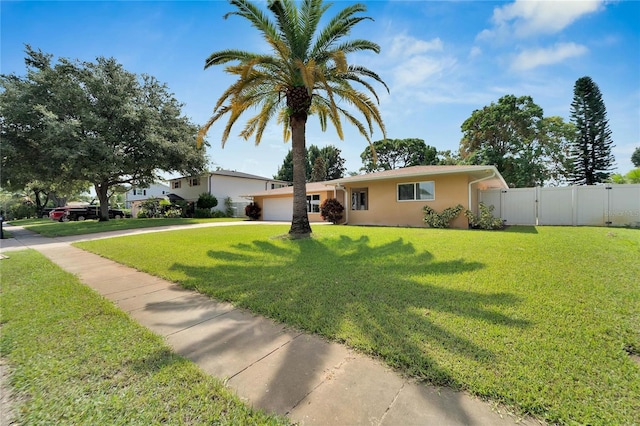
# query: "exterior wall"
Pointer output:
{"type": "Point", "coordinates": [154, 190]}
{"type": "Point", "coordinates": [189, 192]}
{"type": "Point", "coordinates": [229, 186]}
{"type": "Point", "coordinates": [287, 199]}
{"type": "Point", "coordinates": [316, 217]}
{"type": "Point", "coordinates": [384, 208]}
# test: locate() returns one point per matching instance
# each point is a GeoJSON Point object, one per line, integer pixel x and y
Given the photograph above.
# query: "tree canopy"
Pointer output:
{"type": "Point", "coordinates": [92, 122]}
{"type": "Point", "coordinates": [305, 73]}
{"type": "Point", "coordinates": [513, 135]}
{"type": "Point", "coordinates": [591, 150]}
{"type": "Point", "coordinates": [632, 176]}
{"type": "Point", "coordinates": [398, 153]}
{"type": "Point", "coordinates": [635, 157]}
{"type": "Point", "coordinates": [322, 164]}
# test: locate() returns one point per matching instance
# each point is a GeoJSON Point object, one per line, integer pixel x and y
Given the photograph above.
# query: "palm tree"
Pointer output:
{"type": "Point", "coordinates": [307, 73]}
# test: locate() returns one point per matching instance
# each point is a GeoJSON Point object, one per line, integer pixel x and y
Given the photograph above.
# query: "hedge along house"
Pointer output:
{"type": "Point", "coordinates": [391, 197]}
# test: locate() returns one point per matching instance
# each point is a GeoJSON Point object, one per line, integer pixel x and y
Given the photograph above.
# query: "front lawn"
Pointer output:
{"type": "Point", "coordinates": [52, 228]}
{"type": "Point", "coordinates": [76, 359]}
{"type": "Point", "coordinates": [543, 319]}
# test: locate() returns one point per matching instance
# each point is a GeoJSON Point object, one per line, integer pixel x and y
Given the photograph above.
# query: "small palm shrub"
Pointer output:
{"type": "Point", "coordinates": [441, 220]}
{"type": "Point", "coordinates": [485, 219]}
{"type": "Point", "coordinates": [253, 210]}
{"type": "Point", "coordinates": [331, 210]}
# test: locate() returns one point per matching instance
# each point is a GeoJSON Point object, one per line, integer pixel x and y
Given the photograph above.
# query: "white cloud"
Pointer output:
{"type": "Point", "coordinates": [532, 58]}
{"type": "Point", "coordinates": [475, 52]}
{"type": "Point", "coordinates": [418, 70]}
{"type": "Point", "coordinates": [414, 63]}
{"type": "Point", "coordinates": [403, 46]}
{"type": "Point", "coordinates": [524, 18]}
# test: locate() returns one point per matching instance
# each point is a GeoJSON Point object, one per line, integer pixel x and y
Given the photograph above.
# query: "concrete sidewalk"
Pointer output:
{"type": "Point", "coordinates": [269, 365]}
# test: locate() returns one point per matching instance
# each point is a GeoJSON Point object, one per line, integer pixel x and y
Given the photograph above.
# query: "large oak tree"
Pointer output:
{"type": "Point", "coordinates": [92, 122]}
{"type": "Point", "coordinates": [527, 148]}
{"type": "Point", "coordinates": [398, 153]}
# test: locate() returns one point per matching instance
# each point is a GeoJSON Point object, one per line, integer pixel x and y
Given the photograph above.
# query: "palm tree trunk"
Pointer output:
{"type": "Point", "coordinates": [300, 227]}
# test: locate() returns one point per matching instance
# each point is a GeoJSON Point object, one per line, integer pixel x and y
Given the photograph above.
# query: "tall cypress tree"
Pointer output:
{"type": "Point", "coordinates": [591, 150]}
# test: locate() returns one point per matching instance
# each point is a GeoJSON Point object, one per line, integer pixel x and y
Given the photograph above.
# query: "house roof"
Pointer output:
{"type": "Point", "coordinates": [233, 173]}
{"type": "Point", "coordinates": [494, 179]}
{"type": "Point", "coordinates": [288, 190]}
{"type": "Point", "coordinates": [476, 172]}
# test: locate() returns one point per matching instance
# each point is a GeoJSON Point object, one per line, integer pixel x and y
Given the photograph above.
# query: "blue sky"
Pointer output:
{"type": "Point", "coordinates": [441, 60]}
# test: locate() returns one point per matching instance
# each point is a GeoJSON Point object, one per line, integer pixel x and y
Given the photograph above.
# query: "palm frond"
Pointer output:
{"type": "Point", "coordinates": [311, 13]}
{"type": "Point", "coordinates": [283, 119]}
{"type": "Point", "coordinates": [224, 56]}
{"type": "Point", "coordinates": [300, 56]}
{"type": "Point", "coordinates": [367, 73]}
{"type": "Point", "coordinates": [308, 73]}
{"type": "Point", "coordinates": [253, 14]}
{"type": "Point", "coordinates": [359, 45]}
{"type": "Point", "coordinates": [339, 26]}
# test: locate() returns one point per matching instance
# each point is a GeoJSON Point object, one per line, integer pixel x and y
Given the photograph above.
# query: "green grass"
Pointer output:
{"type": "Point", "coordinates": [542, 319]}
{"type": "Point", "coordinates": [50, 228]}
{"type": "Point", "coordinates": [76, 359]}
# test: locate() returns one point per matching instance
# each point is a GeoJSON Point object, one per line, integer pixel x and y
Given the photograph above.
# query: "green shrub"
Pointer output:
{"type": "Point", "coordinates": [228, 207]}
{"type": "Point", "coordinates": [142, 214]}
{"type": "Point", "coordinates": [206, 201]}
{"type": "Point", "coordinates": [202, 213]}
{"type": "Point", "coordinates": [151, 207]}
{"type": "Point", "coordinates": [218, 213]}
{"type": "Point", "coordinates": [253, 210]}
{"type": "Point", "coordinates": [484, 220]}
{"type": "Point", "coordinates": [173, 212]}
{"type": "Point", "coordinates": [22, 211]}
{"type": "Point", "coordinates": [331, 210]}
{"type": "Point", "coordinates": [441, 220]}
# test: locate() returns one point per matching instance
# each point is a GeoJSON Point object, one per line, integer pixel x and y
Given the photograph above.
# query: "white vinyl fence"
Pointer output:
{"type": "Point", "coordinates": [599, 205]}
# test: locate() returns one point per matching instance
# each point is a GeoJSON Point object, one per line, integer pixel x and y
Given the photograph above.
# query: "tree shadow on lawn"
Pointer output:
{"type": "Point", "coordinates": [385, 300]}
{"type": "Point", "coordinates": [521, 229]}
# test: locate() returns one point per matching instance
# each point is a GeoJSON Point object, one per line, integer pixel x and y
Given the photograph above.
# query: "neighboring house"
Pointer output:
{"type": "Point", "coordinates": [155, 190]}
{"type": "Point", "coordinates": [223, 184]}
{"type": "Point", "coordinates": [277, 204]}
{"type": "Point", "coordinates": [389, 198]}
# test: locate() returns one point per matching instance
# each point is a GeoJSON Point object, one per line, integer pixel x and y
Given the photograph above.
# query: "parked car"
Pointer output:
{"type": "Point", "coordinates": [67, 213]}
{"type": "Point", "coordinates": [60, 214]}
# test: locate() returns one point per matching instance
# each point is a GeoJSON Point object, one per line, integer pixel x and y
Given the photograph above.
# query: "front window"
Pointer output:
{"type": "Point", "coordinates": [313, 203]}
{"type": "Point", "coordinates": [176, 184]}
{"type": "Point", "coordinates": [359, 199]}
{"type": "Point", "coordinates": [194, 181]}
{"type": "Point", "coordinates": [416, 191]}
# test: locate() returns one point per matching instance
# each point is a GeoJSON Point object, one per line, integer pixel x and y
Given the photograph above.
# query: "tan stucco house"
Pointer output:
{"type": "Point", "coordinates": [389, 198]}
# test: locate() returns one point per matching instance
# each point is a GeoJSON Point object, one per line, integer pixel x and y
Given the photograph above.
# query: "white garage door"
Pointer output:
{"type": "Point", "coordinates": [277, 209]}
